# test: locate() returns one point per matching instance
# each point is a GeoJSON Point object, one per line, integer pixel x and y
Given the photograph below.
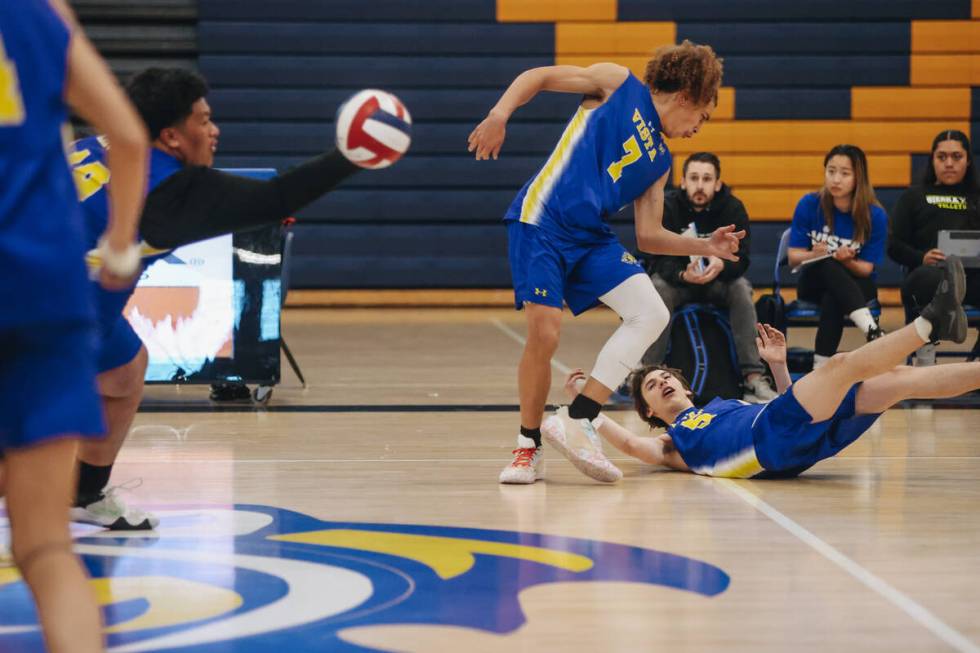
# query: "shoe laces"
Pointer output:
{"type": "Point", "coordinates": [524, 456]}
{"type": "Point", "coordinates": [112, 494]}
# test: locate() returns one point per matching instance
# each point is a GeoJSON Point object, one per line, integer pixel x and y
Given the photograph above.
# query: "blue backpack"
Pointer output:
{"type": "Point", "coordinates": [703, 348]}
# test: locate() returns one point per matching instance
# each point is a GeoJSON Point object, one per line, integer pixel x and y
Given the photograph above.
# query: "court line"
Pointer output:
{"type": "Point", "coordinates": [514, 335]}
{"type": "Point", "coordinates": [920, 614]}
{"type": "Point", "coordinates": [328, 408]}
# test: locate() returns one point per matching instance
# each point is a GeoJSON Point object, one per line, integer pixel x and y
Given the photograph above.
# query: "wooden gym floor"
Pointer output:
{"type": "Point", "coordinates": [363, 514]}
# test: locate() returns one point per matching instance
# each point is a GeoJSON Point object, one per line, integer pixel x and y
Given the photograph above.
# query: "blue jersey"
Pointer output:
{"type": "Point", "coordinates": [717, 440]}
{"type": "Point", "coordinates": [88, 158]}
{"type": "Point", "coordinates": [41, 249]}
{"type": "Point", "coordinates": [809, 228]}
{"type": "Point", "coordinates": [606, 158]}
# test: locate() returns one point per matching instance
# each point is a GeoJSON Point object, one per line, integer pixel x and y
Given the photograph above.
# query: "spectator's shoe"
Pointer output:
{"type": "Point", "coordinates": [925, 356]}
{"type": "Point", "coordinates": [527, 466]}
{"type": "Point", "coordinates": [874, 333]}
{"type": "Point", "coordinates": [111, 512]}
{"type": "Point", "coordinates": [587, 459]}
{"type": "Point", "coordinates": [758, 390]}
{"type": "Point", "coordinates": [945, 311]}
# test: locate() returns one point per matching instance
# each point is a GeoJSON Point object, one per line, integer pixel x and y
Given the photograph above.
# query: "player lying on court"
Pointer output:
{"type": "Point", "coordinates": [561, 247]}
{"type": "Point", "coordinates": [189, 201]}
{"type": "Point", "coordinates": [812, 419]}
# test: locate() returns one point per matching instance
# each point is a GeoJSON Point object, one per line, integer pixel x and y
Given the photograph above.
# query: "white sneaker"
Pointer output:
{"type": "Point", "coordinates": [758, 391]}
{"type": "Point", "coordinates": [527, 466]}
{"type": "Point", "coordinates": [588, 460]}
{"type": "Point", "coordinates": [925, 356]}
{"type": "Point", "coordinates": [111, 512]}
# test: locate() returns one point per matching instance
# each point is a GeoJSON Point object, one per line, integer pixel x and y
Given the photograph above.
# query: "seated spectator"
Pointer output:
{"type": "Point", "coordinates": [946, 197]}
{"type": "Point", "coordinates": [838, 236]}
{"type": "Point", "coordinates": [702, 204]}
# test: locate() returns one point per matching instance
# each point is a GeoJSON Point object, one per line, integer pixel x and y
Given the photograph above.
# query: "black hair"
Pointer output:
{"type": "Point", "coordinates": [972, 178]}
{"type": "Point", "coordinates": [704, 157]}
{"type": "Point", "coordinates": [165, 97]}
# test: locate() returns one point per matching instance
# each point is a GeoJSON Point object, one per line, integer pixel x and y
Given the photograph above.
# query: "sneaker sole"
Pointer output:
{"type": "Point", "coordinates": [591, 470]}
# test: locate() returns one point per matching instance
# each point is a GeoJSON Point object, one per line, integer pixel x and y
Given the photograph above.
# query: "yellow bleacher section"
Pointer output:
{"type": "Point", "coordinates": [773, 162]}
{"type": "Point", "coordinates": [553, 11]}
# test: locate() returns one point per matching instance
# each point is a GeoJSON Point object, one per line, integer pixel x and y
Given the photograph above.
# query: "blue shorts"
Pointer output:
{"type": "Point", "coordinates": [47, 384]}
{"type": "Point", "coordinates": [787, 440]}
{"type": "Point", "coordinates": [548, 271]}
{"type": "Point", "coordinates": [118, 342]}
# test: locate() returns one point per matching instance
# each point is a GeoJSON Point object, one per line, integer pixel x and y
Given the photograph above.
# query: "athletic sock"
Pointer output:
{"type": "Point", "coordinates": [583, 407]}
{"type": "Point", "coordinates": [92, 479]}
{"type": "Point", "coordinates": [863, 319]}
{"type": "Point", "coordinates": [924, 328]}
{"type": "Point", "coordinates": [534, 434]}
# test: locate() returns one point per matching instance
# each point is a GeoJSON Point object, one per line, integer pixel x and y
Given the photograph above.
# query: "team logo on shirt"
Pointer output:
{"type": "Point", "coordinates": [628, 258]}
{"type": "Point", "coordinates": [244, 578]}
{"type": "Point", "coordinates": [951, 202]}
{"type": "Point", "coordinates": [697, 420]}
{"type": "Point", "coordinates": [834, 242]}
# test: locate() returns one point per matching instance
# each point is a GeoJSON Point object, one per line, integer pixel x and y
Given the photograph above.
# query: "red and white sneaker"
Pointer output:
{"type": "Point", "coordinates": [587, 459]}
{"type": "Point", "coordinates": [527, 466]}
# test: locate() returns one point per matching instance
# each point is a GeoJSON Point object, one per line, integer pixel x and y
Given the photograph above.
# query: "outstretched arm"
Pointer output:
{"type": "Point", "coordinates": [772, 349]}
{"type": "Point", "coordinates": [199, 203]}
{"type": "Point", "coordinates": [598, 80]}
{"type": "Point", "coordinates": [657, 450]}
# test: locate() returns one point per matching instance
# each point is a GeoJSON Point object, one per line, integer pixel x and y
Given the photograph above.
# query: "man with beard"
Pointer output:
{"type": "Point", "coordinates": [702, 204]}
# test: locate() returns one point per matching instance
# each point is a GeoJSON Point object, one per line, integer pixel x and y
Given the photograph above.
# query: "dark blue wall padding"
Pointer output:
{"type": "Point", "coordinates": [797, 104]}
{"type": "Point", "coordinates": [743, 71]}
{"type": "Point", "coordinates": [428, 138]}
{"type": "Point", "coordinates": [316, 104]}
{"type": "Point", "coordinates": [800, 38]}
{"type": "Point", "coordinates": [392, 72]}
{"type": "Point", "coordinates": [378, 11]}
{"type": "Point", "coordinates": [375, 39]}
{"type": "Point", "coordinates": [412, 205]}
{"type": "Point", "coordinates": [770, 10]}
{"type": "Point", "coordinates": [456, 256]}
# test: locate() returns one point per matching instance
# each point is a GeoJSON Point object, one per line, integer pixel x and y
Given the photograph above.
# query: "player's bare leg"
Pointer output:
{"type": "Point", "coordinates": [821, 391]}
{"type": "Point", "coordinates": [121, 390]}
{"type": "Point", "coordinates": [880, 393]}
{"type": "Point", "coordinates": [40, 482]}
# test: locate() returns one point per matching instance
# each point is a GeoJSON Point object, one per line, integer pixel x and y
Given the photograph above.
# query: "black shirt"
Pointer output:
{"type": "Point", "coordinates": [922, 212]}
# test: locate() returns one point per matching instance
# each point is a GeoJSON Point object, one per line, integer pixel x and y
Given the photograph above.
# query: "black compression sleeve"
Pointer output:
{"type": "Point", "coordinates": [199, 203]}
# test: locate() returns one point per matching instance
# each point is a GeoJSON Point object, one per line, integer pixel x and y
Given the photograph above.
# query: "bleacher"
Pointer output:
{"type": "Point", "coordinates": [886, 75]}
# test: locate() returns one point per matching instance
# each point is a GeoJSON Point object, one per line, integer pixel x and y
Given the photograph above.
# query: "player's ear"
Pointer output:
{"type": "Point", "coordinates": [169, 137]}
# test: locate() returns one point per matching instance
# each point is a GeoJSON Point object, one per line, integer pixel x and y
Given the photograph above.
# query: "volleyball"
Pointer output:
{"type": "Point", "coordinates": [374, 129]}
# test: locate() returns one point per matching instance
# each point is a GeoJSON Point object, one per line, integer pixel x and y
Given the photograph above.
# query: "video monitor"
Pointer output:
{"type": "Point", "coordinates": [209, 312]}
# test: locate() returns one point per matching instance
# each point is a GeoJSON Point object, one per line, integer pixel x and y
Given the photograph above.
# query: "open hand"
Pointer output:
{"type": "Point", "coordinates": [724, 242]}
{"type": "Point", "coordinates": [771, 343]}
{"type": "Point", "coordinates": [574, 383]}
{"type": "Point", "coordinates": [488, 137]}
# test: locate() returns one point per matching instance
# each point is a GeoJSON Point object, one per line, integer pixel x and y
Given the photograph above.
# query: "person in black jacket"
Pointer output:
{"type": "Point", "coordinates": [702, 204]}
{"type": "Point", "coordinates": [946, 197]}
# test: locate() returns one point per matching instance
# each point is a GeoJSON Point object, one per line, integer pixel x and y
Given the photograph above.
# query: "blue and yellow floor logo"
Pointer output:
{"type": "Point", "coordinates": [256, 578]}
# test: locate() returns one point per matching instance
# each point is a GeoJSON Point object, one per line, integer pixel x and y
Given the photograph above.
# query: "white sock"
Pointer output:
{"type": "Point", "coordinates": [863, 319]}
{"type": "Point", "coordinates": [923, 327]}
{"type": "Point", "coordinates": [819, 361]}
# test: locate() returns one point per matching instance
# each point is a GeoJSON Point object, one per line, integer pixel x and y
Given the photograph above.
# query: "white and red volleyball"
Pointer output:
{"type": "Point", "coordinates": [374, 129]}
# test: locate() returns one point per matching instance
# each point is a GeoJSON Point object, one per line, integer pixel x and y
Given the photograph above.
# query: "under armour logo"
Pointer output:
{"type": "Point", "coordinates": [540, 293]}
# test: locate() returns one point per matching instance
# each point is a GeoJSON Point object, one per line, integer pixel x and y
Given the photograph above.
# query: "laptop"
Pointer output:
{"type": "Point", "coordinates": [965, 244]}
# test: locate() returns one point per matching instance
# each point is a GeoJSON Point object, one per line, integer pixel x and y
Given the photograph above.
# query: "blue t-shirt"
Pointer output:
{"type": "Point", "coordinates": [717, 440]}
{"type": "Point", "coordinates": [809, 228]}
{"type": "Point", "coordinates": [44, 277]}
{"type": "Point", "coordinates": [607, 157]}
